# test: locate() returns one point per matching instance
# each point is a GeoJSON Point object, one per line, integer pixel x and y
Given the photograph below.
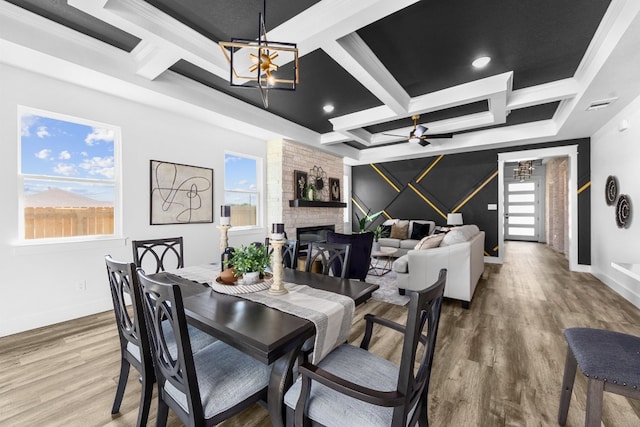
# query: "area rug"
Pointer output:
{"type": "Point", "coordinates": [388, 291]}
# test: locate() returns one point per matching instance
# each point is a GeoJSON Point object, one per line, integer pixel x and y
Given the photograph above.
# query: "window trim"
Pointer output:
{"type": "Point", "coordinates": [117, 235]}
{"type": "Point", "coordinates": [259, 190]}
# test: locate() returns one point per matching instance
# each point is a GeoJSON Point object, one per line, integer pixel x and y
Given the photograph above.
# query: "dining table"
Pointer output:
{"type": "Point", "coordinates": [269, 335]}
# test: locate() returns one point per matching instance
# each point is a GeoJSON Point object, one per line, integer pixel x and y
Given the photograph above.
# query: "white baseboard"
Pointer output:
{"type": "Point", "coordinates": [630, 295]}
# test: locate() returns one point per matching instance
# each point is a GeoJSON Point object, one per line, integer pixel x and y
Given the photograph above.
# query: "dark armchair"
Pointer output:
{"type": "Point", "coordinates": [360, 252]}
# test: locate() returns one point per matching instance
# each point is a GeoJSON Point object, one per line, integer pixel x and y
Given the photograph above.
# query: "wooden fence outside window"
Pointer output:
{"type": "Point", "coordinates": [67, 222]}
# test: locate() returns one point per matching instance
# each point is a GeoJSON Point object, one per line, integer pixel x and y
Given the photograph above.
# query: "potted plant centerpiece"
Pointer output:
{"type": "Point", "coordinates": [362, 222]}
{"type": "Point", "coordinates": [251, 262]}
{"type": "Point", "coordinates": [378, 232]}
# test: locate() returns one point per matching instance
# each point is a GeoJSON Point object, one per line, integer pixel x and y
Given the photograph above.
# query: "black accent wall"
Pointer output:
{"type": "Point", "coordinates": [430, 187]}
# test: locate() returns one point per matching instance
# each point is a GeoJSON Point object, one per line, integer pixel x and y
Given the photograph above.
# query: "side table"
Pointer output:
{"type": "Point", "coordinates": [385, 252]}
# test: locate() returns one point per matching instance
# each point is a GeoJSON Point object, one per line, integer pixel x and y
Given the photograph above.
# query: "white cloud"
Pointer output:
{"type": "Point", "coordinates": [66, 169]}
{"type": "Point", "coordinates": [42, 132]}
{"type": "Point", "coordinates": [84, 154]}
{"type": "Point", "coordinates": [64, 155]}
{"type": "Point", "coordinates": [43, 154]}
{"type": "Point", "coordinates": [243, 182]}
{"type": "Point", "coordinates": [99, 166]}
{"type": "Point", "coordinates": [27, 121]}
{"type": "Point", "coordinates": [99, 134]}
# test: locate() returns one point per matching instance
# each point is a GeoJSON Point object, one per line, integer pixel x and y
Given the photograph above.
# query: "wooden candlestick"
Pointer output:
{"type": "Point", "coordinates": [224, 239]}
{"type": "Point", "coordinates": [277, 287]}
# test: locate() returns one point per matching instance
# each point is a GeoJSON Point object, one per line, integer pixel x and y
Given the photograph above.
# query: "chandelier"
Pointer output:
{"type": "Point", "coordinates": [523, 171]}
{"type": "Point", "coordinates": [261, 63]}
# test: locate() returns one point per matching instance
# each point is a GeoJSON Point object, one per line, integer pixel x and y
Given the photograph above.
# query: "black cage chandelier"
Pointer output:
{"type": "Point", "coordinates": [523, 171]}
{"type": "Point", "coordinates": [260, 63]}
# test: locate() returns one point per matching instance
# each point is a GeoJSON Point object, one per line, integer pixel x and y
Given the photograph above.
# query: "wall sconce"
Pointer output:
{"type": "Point", "coordinates": [454, 218]}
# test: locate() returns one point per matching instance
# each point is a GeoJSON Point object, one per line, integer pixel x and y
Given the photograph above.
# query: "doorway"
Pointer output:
{"type": "Point", "coordinates": [523, 211]}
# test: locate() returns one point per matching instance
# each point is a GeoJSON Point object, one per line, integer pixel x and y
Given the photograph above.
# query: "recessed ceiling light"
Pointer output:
{"type": "Point", "coordinates": [481, 62]}
{"type": "Point", "coordinates": [328, 108]}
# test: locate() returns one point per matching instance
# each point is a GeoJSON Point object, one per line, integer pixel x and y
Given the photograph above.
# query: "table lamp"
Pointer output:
{"type": "Point", "coordinates": [454, 218]}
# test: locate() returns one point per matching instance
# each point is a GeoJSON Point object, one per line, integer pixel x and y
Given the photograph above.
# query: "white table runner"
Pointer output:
{"type": "Point", "coordinates": [331, 313]}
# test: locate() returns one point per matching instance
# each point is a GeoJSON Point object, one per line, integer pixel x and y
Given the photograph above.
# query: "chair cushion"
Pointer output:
{"type": "Point", "coordinates": [609, 355]}
{"type": "Point", "coordinates": [226, 376]}
{"type": "Point", "coordinates": [354, 364]}
{"type": "Point", "coordinates": [198, 338]}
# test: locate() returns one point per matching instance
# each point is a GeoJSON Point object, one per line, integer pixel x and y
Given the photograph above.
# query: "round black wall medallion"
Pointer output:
{"type": "Point", "coordinates": [611, 190]}
{"type": "Point", "coordinates": [623, 211]}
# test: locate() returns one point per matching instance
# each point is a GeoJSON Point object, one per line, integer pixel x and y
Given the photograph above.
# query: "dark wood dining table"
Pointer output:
{"type": "Point", "coordinates": [265, 333]}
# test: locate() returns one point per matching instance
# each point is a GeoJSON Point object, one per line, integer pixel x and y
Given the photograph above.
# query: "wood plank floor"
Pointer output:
{"type": "Point", "coordinates": [498, 364]}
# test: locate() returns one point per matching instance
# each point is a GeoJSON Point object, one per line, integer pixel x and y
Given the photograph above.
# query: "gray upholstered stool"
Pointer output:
{"type": "Point", "coordinates": [611, 362]}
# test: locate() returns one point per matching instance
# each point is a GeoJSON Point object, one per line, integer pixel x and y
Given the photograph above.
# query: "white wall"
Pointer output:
{"type": "Point", "coordinates": [617, 153]}
{"type": "Point", "coordinates": [40, 284]}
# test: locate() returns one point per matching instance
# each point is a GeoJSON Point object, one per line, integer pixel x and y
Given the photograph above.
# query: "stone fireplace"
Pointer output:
{"type": "Point", "coordinates": [283, 158]}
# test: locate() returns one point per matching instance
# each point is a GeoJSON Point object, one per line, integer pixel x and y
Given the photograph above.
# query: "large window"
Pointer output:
{"type": "Point", "coordinates": [68, 179]}
{"type": "Point", "coordinates": [242, 189]}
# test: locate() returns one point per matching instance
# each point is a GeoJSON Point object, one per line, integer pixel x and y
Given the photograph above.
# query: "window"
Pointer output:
{"type": "Point", "coordinates": [67, 177]}
{"type": "Point", "coordinates": [241, 189]}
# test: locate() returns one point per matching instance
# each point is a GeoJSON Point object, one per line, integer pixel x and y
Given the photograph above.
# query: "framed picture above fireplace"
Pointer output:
{"type": "Point", "coordinates": [300, 184]}
{"type": "Point", "coordinates": [334, 190]}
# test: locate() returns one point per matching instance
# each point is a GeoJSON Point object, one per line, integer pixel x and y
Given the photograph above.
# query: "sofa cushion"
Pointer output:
{"type": "Point", "coordinates": [460, 234]}
{"type": "Point", "coordinates": [408, 243]}
{"type": "Point", "coordinates": [419, 230]}
{"type": "Point", "coordinates": [387, 241]}
{"type": "Point", "coordinates": [401, 265]}
{"type": "Point", "coordinates": [428, 242]}
{"type": "Point", "coordinates": [399, 231]}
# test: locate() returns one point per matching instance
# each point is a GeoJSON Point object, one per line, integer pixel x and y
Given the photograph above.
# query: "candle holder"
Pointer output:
{"type": "Point", "coordinates": [277, 287]}
{"type": "Point", "coordinates": [224, 239]}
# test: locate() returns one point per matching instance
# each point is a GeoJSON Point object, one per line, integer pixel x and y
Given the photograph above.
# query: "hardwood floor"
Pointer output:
{"type": "Point", "coordinates": [498, 364]}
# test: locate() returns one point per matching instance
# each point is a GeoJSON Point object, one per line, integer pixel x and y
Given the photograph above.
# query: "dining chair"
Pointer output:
{"type": "Point", "coordinates": [290, 251]}
{"type": "Point", "coordinates": [360, 259]}
{"type": "Point", "coordinates": [135, 348]}
{"type": "Point", "coordinates": [353, 387]}
{"type": "Point", "coordinates": [610, 361]}
{"type": "Point", "coordinates": [202, 388]}
{"type": "Point", "coordinates": [158, 255]}
{"type": "Point", "coordinates": [334, 258]}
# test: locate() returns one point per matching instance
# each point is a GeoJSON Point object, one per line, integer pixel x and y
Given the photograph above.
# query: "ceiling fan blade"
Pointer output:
{"type": "Point", "coordinates": [438, 135]}
{"type": "Point", "coordinates": [393, 134]}
{"type": "Point", "coordinates": [424, 142]}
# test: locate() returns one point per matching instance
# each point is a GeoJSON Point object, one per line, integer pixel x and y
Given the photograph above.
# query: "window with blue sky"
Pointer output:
{"type": "Point", "coordinates": [67, 165]}
{"type": "Point", "coordinates": [241, 188]}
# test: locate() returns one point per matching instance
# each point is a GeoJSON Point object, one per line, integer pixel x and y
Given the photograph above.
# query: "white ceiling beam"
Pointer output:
{"type": "Point", "coordinates": [353, 54]}
{"type": "Point", "coordinates": [333, 19]}
{"type": "Point", "coordinates": [157, 29]}
{"type": "Point", "coordinates": [542, 94]}
{"type": "Point", "coordinates": [153, 59]}
{"type": "Point", "coordinates": [359, 135]}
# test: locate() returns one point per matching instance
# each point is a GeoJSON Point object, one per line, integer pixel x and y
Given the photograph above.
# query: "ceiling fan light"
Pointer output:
{"type": "Point", "coordinates": [420, 130]}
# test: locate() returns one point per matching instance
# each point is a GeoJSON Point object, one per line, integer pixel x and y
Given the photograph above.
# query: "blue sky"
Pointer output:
{"type": "Point", "coordinates": [58, 148]}
{"type": "Point", "coordinates": [239, 175]}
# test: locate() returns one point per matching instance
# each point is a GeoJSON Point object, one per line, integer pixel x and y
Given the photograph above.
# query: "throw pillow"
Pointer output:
{"type": "Point", "coordinates": [419, 231]}
{"type": "Point", "coordinates": [432, 241]}
{"type": "Point", "coordinates": [386, 230]}
{"type": "Point", "coordinates": [399, 232]}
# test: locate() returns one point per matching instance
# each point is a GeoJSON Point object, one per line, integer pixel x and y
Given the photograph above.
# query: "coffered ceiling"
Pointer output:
{"type": "Point", "coordinates": [378, 62]}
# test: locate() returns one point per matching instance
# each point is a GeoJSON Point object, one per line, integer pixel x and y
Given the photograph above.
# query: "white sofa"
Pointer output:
{"type": "Point", "coordinates": [404, 245]}
{"type": "Point", "coordinates": [461, 252]}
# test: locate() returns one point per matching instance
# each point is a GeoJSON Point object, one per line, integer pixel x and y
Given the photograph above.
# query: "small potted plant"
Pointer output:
{"type": "Point", "coordinates": [310, 192]}
{"type": "Point", "coordinates": [362, 222]}
{"type": "Point", "coordinates": [250, 261]}
{"type": "Point", "coordinates": [378, 232]}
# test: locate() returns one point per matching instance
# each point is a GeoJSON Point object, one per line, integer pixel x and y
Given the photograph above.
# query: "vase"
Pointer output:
{"type": "Point", "coordinates": [375, 247]}
{"type": "Point", "coordinates": [250, 278]}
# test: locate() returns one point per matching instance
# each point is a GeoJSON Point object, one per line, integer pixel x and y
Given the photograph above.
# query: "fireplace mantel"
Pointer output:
{"type": "Point", "coordinates": [298, 203]}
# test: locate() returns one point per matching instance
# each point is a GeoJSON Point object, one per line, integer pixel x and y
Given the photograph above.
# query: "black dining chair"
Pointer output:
{"type": "Point", "coordinates": [156, 255]}
{"type": "Point", "coordinates": [135, 349]}
{"type": "Point", "coordinates": [289, 252]}
{"type": "Point", "coordinates": [610, 361]}
{"type": "Point", "coordinates": [333, 258]}
{"type": "Point", "coordinates": [360, 259]}
{"type": "Point", "coordinates": [353, 387]}
{"type": "Point", "coordinates": [202, 388]}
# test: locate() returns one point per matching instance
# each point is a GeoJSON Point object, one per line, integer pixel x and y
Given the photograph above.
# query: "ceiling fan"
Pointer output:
{"type": "Point", "coordinates": [418, 132]}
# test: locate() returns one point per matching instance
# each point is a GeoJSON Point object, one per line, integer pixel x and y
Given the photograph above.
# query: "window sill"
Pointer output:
{"type": "Point", "coordinates": [39, 247]}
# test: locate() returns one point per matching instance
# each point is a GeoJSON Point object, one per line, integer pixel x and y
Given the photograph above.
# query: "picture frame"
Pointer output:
{"type": "Point", "coordinates": [180, 194]}
{"type": "Point", "coordinates": [334, 190]}
{"type": "Point", "coordinates": [300, 179]}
